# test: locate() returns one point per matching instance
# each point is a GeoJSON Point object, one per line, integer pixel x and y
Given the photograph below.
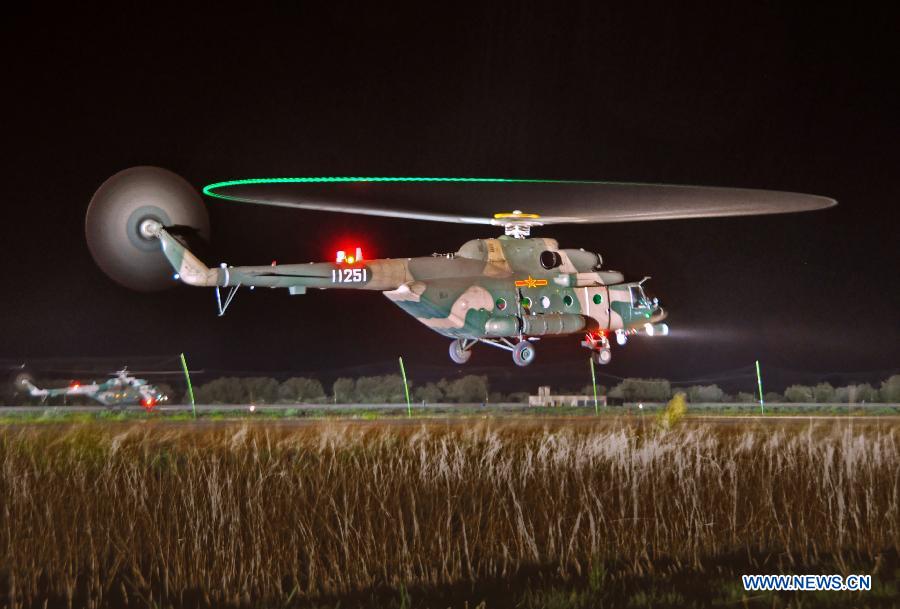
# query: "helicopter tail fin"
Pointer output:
{"type": "Point", "coordinates": [188, 268]}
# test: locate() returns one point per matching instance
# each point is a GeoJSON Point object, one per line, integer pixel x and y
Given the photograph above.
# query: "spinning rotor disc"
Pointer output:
{"type": "Point", "coordinates": [117, 213]}
{"type": "Point", "coordinates": [474, 200]}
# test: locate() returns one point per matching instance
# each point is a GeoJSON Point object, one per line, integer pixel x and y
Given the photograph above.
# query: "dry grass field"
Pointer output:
{"type": "Point", "coordinates": [467, 512]}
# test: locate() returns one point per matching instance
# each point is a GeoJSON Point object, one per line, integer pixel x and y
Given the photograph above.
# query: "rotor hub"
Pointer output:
{"type": "Point", "coordinates": [149, 228]}
{"type": "Point", "coordinates": [516, 224]}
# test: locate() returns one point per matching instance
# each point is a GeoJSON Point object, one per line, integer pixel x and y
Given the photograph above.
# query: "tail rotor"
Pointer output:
{"type": "Point", "coordinates": [122, 215]}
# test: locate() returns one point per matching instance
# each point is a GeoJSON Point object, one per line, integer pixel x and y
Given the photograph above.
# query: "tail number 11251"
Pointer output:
{"type": "Point", "coordinates": [348, 275]}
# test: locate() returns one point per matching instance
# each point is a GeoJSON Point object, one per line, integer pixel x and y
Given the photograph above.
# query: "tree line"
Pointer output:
{"type": "Point", "coordinates": [660, 390]}
{"type": "Point", "coordinates": [382, 389]}
{"type": "Point", "coordinates": [476, 389]}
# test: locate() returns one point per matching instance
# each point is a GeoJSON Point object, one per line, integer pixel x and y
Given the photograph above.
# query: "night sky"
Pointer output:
{"type": "Point", "coordinates": [762, 97]}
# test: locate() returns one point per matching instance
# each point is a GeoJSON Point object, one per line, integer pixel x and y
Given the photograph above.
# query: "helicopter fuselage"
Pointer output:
{"type": "Point", "coordinates": [489, 290]}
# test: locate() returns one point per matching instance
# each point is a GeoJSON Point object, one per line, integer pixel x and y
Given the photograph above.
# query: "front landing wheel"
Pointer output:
{"type": "Point", "coordinates": [603, 356]}
{"type": "Point", "coordinates": [523, 353]}
{"type": "Point", "coordinates": [458, 353]}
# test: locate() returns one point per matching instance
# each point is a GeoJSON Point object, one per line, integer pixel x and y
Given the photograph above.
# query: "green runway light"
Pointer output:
{"type": "Point", "coordinates": [210, 189]}
{"type": "Point", "coordinates": [762, 407]}
{"type": "Point", "coordinates": [594, 383]}
{"type": "Point", "coordinates": [187, 376]}
{"type": "Point", "coordinates": [405, 388]}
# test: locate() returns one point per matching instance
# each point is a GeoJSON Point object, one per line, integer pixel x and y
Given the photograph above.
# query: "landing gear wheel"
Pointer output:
{"type": "Point", "coordinates": [603, 356]}
{"type": "Point", "coordinates": [523, 353]}
{"type": "Point", "coordinates": [458, 354]}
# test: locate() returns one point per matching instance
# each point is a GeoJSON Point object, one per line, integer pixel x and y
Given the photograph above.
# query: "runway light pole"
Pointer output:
{"type": "Point", "coordinates": [594, 383]}
{"type": "Point", "coordinates": [405, 388]}
{"type": "Point", "coordinates": [187, 377]}
{"type": "Point", "coordinates": [762, 406]}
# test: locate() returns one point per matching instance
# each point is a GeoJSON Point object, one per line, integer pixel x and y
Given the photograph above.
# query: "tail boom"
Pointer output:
{"type": "Point", "coordinates": [385, 274]}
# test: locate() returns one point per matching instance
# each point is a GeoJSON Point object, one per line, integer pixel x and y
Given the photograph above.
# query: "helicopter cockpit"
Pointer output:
{"type": "Point", "coordinates": [639, 299]}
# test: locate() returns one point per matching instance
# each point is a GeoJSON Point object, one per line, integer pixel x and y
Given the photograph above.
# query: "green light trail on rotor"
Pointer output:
{"type": "Point", "coordinates": [210, 189]}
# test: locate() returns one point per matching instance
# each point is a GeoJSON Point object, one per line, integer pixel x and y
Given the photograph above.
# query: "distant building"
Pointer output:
{"type": "Point", "coordinates": [545, 398]}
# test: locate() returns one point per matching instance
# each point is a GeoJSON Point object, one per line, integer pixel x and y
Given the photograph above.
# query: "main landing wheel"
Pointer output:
{"type": "Point", "coordinates": [603, 356]}
{"type": "Point", "coordinates": [457, 353]}
{"type": "Point", "coordinates": [523, 353]}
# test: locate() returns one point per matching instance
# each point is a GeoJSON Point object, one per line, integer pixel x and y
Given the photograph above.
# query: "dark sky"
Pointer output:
{"type": "Point", "coordinates": [765, 96]}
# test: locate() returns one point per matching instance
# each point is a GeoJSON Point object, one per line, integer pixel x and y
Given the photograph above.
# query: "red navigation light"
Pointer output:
{"type": "Point", "coordinates": [341, 256]}
{"type": "Point", "coordinates": [75, 385]}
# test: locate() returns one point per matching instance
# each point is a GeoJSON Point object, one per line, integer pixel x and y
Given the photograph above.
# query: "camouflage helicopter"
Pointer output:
{"type": "Point", "coordinates": [121, 389]}
{"type": "Point", "coordinates": [507, 291]}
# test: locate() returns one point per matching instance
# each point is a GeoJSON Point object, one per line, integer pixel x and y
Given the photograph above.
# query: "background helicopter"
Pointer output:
{"type": "Point", "coordinates": [506, 292]}
{"type": "Point", "coordinates": [122, 389]}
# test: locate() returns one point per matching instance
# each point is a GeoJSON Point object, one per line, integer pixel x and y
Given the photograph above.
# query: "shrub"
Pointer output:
{"type": "Point", "coordinates": [301, 389]}
{"type": "Point", "coordinates": [429, 392]}
{"type": "Point", "coordinates": [468, 389]}
{"type": "Point", "coordinates": [674, 411]}
{"type": "Point", "coordinates": [380, 389]}
{"type": "Point", "coordinates": [799, 394]}
{"type": "Point", "coordinates": [344, 391]}
{"type": "Point", "coordinates": [866, 393]}
{"type": "Point", "coordinates": [705, 393]}
{"type": "Point", "coordinates": [648, 390]}
{"type": "Point", "coordinates": [224, 390]}
{"type": "Point", "coordinates": [890, 390]}
{"type": "Point", "coordinates": [260, 389]}
{"type": "Point", "coordinates": [823, 393]}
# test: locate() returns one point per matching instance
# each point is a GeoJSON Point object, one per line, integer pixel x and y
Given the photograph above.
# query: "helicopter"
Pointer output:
{"type": "Point", "coordinates": [508, 291]}
{"type": "Point", "coordinates": [121, 389]}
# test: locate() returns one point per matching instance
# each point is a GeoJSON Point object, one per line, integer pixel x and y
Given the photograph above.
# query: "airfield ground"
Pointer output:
{"type": "Point", "coordinates": [10, 414]}
{"type": "Point", "coordinates": [449, 510]}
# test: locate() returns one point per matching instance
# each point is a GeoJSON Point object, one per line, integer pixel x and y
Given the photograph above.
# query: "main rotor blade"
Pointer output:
{"type": "Point", "coordinates": [475, 200]}
{"type": "Point", "coordinates": [160, 372]}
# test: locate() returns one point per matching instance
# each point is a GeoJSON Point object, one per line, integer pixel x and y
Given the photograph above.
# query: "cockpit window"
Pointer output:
{"type": "Point", "coordinates": [637, 296]}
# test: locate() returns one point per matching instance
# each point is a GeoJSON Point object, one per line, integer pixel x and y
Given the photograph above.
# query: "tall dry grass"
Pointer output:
{"type": "Point", "coordinates": [256, 513]}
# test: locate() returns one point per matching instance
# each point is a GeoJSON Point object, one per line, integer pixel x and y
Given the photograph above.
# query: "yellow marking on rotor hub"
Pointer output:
{"type": "Point", "coordinates": [515, 215]}
{"type": "Point", "coordinates": [531, 282]}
